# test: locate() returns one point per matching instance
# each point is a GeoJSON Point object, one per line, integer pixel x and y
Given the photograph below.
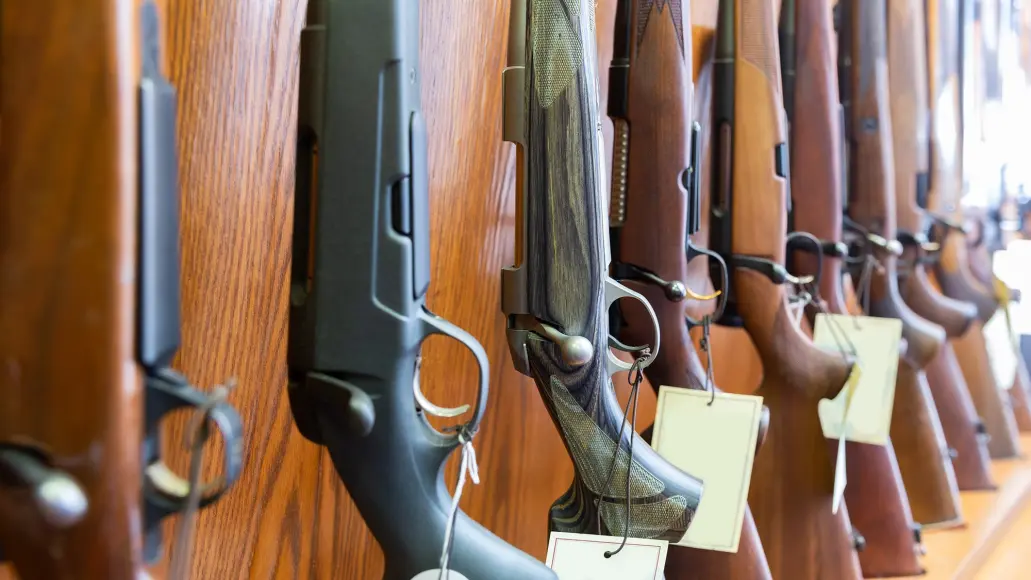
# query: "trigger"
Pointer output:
{"type": "Point", "coordinates": [426, 405]}
{"type": "Point", "coordinates": [634, 350]}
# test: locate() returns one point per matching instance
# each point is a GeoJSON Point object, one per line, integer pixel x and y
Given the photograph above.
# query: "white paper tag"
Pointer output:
{"type": "Point", "coordinates": [1001, 352]}
{"type": "Point", "coordinates": [862, 411]}
{"type": "Point", "coordinates": [582, 557]}
{"type": "Point", "coordinates": [724, 437]}
{"type": "Point", "coordinates": [840, 477]}
{"type": "Point", "coordinates": [435, 575]}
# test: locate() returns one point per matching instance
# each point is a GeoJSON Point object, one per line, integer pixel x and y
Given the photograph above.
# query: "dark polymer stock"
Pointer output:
{"type": "Point", "coordinates": [358, 286]}
{"type": "Point", "coordinates": [74, 516]}
{"type": "Point", "coordinates": [876, 493]}
{"type": "Point", "coordinates": [558, 293]}
{"type": "Point", "coordinates": [907, 67]}
{"type": "Point", "coordinates": [792, 479]}
{"type": "Point", "coordinates": [657, 162]}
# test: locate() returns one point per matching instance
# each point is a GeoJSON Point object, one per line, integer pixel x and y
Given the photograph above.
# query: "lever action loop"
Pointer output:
{"type": "Point", "coordinates": [775, 272]}
{"type": "Point", "coordinates": [829, 248]}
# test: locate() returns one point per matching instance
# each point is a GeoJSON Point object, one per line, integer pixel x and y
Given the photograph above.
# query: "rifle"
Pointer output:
{"type": "Point", "coordinates": [655, 208]}
{"type": "Point", "coordinates": [870, 219]}
{"type": "Point", "coordinates": [952, 270]}
{"type": "Point", "coordinates": [908, 98]}
{"type": "Point", "coordinates": [359, 280]}
{"type": "Point", "coordinates": [792, 477]}
{"type": "Point", "coordinates": [557, 295]}
{"type": "Point", "coordinates": [100, 235]}
{"type": "Point", "coordinates": [876, 491]}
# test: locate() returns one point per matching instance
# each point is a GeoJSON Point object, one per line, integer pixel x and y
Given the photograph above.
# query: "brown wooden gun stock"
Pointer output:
{"type": "Point", "coordinates": [792, 478]}
{"type": "Point", "coordinates": [72, 394]}
{"type": "Point", "coordinates": [952, 271]}
{"type": "Point", "coordinates": [876, 494]}
{"type": "Point", "coordinates": [907, 66]}
{"type": "Point", "coordinates": [650, 101]}
{"type": "Point", "coordinates": [915, 430]}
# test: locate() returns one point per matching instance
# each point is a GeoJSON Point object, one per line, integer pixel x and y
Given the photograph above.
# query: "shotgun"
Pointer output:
{"type": "Point", "coordinates": [557, 295]}
{"type": "Point", "coordinates": [951, 270]}
{"type": "Point", "coordinates": [792, 479]}
{"type": "Point", "coordinates": [870, 223]}
{"type": "Point", "coordinates": [359, 280]}
{"type": "Point", "coordinates": [907, 66]}
{"type": "Point", "coordinates": [876, 493]}
{"type": "Point", "coordinates": [655, 209]}
{"type": "Point", "coordinates": [92, 219]}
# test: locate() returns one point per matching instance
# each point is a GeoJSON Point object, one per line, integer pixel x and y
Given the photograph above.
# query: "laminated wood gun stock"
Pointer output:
{"type": "Point", "coordinates": [915, 430]}
{"type": "Point", "coordinates": [90, 250]}
{"type": "Point", "coordinates": [792, 478]}
{"type": "Point", "coordinates": [358, 285]}
{"type": "Point", "coordinates": [907, 67]}
{"type": "Point", "coordinates": [558, 293]}
{"type": "Point", "coordinates": [654, 209]}
{"type": "Point", "coordinates": [952, 271]}
{"type": "Point", "coordinates": [876, 493]}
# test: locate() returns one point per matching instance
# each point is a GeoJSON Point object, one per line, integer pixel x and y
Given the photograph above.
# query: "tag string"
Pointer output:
{"type": "Point", "coordinates": [467, 466]}
{"type": "Point", "coordinates": [634, 378]}
{"type": "Point", "coordinates": [196, 437]}
{"type": "Point", "coordinates": [710, 378]}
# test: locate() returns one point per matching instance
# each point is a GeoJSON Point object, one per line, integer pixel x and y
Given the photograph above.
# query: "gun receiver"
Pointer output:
{"type": "Point", "coordinates": [558, 293]}
{"type": "Point", "coordinates": [876, 491]}
{"type": "Point", "coordinates": [952, 270]}
{"type": "Point", "coordinates": [792, 477]}
{"type": "Point", "coordinates": [916, 432]}
{"type": "Point", "coordinates": [60, 516]}
{"type": "Point", "coordinates": [358, 287]}
{"type": "Point", "coordinates": [654, 215]}
{"type": "Point", "coordinates": [907, 51]}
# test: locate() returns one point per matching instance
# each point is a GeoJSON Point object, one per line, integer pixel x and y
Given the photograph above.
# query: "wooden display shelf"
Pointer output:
{"type": "Point", "coordinates": [996, 542]}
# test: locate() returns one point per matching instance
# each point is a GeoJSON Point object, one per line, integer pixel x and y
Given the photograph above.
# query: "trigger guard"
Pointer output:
{"type": "Point", "coordinates": [433, 324]}
{"type": "Point", "coordinates": [614, 291]}
{"type": "Point", "coordinates": [428, 406]}
{"type": "Point", "coordinates": [174, 491]}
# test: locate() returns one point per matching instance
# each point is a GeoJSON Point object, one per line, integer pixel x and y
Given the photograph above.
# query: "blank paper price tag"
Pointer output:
{"type": "Point", "coordinates": [1002, 353]}
{"type": "Point", "coordinates": [716, 444]}
{"type": "Point", "coordinates": [876, 341]}
{"type": "Point", "coordinates": [582, 557]}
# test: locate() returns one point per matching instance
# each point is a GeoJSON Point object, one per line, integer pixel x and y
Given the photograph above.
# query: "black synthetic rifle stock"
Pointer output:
{"type": "Point", "coordinates": [557, 295]}
{"type": "Point", "coordinates": [358, 287]}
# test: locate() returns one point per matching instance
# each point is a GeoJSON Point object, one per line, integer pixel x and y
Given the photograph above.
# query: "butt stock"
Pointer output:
{"type": "Point", "coordinates": [557, 295]}
{"type": "Point", "coordinates": [77, 497]}
{"type": "Point", "coordinates": [907, 66]}
{"type": "Point", "coordinates": [654, 211]}
{"type": "Point", "coordinates": [792, 477]}
{"type": "Point", "coordinates": [877, 494]}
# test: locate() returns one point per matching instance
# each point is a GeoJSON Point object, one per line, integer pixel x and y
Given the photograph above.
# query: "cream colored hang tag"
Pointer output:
{"type": "Point", "coordinates": [862, 411]}
{"type": "Point", "coordinates": [716, 444]}
{"type": "Point", "coordinates": [435, 575]}
{"type": "Point", "coordinates": [582, 557]}
{"type": "Point", "coordinates": [840, 472]}
{"type": "Point", "coordinates": [1002, 353]}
